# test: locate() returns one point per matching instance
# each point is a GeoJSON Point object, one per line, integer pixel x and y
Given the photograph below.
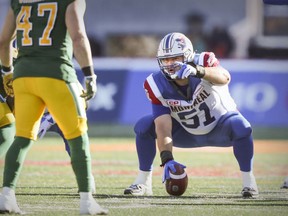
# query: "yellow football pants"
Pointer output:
{"type": "Point", "coordinates": [63, 101]}
{"type": "Point", "coordinates": [6, 116]}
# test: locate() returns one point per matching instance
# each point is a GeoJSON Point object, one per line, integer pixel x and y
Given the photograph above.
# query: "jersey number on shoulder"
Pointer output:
{"type": "Point", "coordinates": [184, 116]}
{"type": "Point", "coordinates": [26, 26]}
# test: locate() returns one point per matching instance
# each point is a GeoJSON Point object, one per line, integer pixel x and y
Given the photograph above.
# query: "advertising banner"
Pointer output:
{"type": "Point", "coordinates": [260, 92]}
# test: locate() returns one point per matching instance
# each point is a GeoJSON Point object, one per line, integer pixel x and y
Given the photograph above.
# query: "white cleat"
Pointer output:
{"type": "Point", "coordinates": [9, 205]}
{"type": "Point", "coordinates": [138, 190]}
{"type": "Point", "coordinates": [248, 192]}
{"type": "Point", "coordinates": [91, 207]}
{"type": "Point", "coordinates": [285, 184]}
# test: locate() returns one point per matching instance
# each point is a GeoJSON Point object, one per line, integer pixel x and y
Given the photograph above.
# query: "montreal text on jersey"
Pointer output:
{"type": "Point", "coordinates": [200, 98]}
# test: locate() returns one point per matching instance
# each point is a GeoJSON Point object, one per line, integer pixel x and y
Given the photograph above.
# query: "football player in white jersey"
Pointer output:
{"type": "Point", "coordinates": [191, 107]}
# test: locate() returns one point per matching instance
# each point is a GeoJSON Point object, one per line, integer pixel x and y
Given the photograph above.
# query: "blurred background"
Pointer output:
{"type": "Point", "coordinates": [249, 38]}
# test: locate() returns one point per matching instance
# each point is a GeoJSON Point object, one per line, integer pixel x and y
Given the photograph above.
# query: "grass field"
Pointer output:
{"type": "Point", "coordinates": [47, 185]}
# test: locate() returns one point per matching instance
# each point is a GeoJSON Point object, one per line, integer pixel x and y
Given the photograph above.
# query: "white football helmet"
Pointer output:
{"type": "Point", "coordinates": [174, 45]}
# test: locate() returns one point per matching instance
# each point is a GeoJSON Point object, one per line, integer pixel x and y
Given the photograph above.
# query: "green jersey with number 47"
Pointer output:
{"type": "Point", "coordinates": [46, 44]}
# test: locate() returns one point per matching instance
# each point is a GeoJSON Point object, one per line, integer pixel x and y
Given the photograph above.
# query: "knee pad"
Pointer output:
{"type": "Point", "coordinates": [241, 128]}
{"type": "Point", "coordinates": [145, 126]}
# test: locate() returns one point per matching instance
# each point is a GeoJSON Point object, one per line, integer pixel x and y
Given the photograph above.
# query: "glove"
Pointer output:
{"type": "Point", "coordinates": [91, 87]}
{"type": "Point", "coordinates": [184, 72]}
{"type": "Point", "coordinates": [200, 70]}
{"type": "Point", "coordinates": [7, 83]}
{"type": "Point", "coordinates": [170, 165]}
{"type": "Point", "coordinates": [46, 123]}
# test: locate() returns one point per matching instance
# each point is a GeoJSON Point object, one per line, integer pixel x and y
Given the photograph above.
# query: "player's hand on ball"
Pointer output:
{"type": "Point", "coordinates": [170, 167]}
{"type": "Point", "coordinates": [91, 87]}
{"type": "Point", "coordinates": [177, 184]}
{"type": "Point", "coordinates": [184, 72]}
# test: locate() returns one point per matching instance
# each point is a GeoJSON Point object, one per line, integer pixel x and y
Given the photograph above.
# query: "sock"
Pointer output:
{"type": "Point", "coordinates": [7, 134]}
{"type": "Point", "coordinates": [146, 151]}
{"type": "Point", "coordinates": [81, 161]}
{"type": "Point", "coordinates": [248, 180]}
{"type": "Point", "coordinates": [145, 142]}
{"type": "Point", "coordinates": [144, 177]}
{"type": "Point", "coordinates": [14, 161]}
{"type": "Point", "coordinates": [85, 195]}
{"type": "Point", "coordinates": [243, 150]}
{"type": "Point", "coordinates": [6, 191]}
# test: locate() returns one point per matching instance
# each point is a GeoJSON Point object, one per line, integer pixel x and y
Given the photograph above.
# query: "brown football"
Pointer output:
{"type": "Point", "coordinates": [178, 182]}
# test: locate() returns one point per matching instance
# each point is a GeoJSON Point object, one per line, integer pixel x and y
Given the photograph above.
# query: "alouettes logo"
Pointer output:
{"type": "Point", "coordinates": [181, 42]}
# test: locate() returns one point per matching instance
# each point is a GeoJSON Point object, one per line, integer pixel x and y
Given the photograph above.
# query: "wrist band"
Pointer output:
{"type": "Point", "coordinates": [7, 69]}
{"type": "Point", "coordinates": [200, 71]}
{"type": "Point", "coordinates": [165, 157]}
{"type": "Point", "coordinates": [94, 76]}
{"type": "Point", "coordinates": [88, 71]}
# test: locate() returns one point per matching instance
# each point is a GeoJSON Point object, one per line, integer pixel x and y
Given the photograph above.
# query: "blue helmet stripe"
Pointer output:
{"type": "Point", "coordinates": [168, 42]}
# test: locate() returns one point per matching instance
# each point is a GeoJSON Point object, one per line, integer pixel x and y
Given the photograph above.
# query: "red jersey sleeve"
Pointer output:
{"type": "Point", "coordinates": [150, 95]}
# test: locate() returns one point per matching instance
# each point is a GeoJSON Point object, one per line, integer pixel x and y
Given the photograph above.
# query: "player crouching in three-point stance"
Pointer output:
{"type": "Point", "coordinates": [192, 107]}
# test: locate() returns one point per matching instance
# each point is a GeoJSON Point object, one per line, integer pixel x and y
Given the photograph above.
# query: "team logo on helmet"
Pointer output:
{"type": "Point", "coordinates": [180, 42]}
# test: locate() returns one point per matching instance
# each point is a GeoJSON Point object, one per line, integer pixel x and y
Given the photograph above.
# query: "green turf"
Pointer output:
{"type": "Point", "coordinates": [47, 185]}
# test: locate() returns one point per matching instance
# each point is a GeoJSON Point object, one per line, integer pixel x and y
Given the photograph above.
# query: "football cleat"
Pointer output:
{"type": "Point", "coordinates": [248, 192]}
{"type": "Point", "coordinates": [285, 185]}
{"type": "Point", "coordinates": [9, 205]}
{"type": "Point", "coordinates": [138, 190]}
{"type": "Point", "coordinates": [91, 207]}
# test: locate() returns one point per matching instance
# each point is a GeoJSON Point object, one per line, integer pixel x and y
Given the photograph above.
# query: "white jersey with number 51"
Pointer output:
{"type": "Point", "coordinates": [199, 114]}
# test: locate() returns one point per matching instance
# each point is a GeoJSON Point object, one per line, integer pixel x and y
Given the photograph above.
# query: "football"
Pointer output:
{"type": "Point", "coordinates": [177, 184]}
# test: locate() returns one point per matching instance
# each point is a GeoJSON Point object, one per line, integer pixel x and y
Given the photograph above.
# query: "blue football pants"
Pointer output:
{"type": "Point", "coordinates": [232, 129]}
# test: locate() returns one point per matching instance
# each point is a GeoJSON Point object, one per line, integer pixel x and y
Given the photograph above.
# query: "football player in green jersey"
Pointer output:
{"type": "Point", "coordinates": [48, 33]}
{"type": "Point", "coordinates": [7, 122]}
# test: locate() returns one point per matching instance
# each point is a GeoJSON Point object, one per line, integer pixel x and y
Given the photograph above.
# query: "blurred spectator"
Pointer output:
{"type": "Point", "coordinates": [221, 42]}
{"type": "Point", "coordinates": [272, 42]}
{"type": "Point", "coordinates": [258, 50]}
{"type": "Point", "coordinates": [132, 45]}
{"type": "Point", "coordinates": [195, 31]}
